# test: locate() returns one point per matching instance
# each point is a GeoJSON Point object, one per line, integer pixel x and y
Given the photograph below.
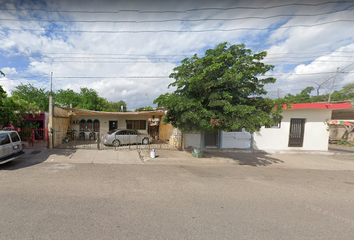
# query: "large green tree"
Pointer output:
{"type": "Point", "coordinates": [32, 94]}
{"type": "Point", "coordinates": [64, 97]}
{"type": "Point", "coordinates": [13, 110]}
{"type": "Point", "coordinates": [224, 90]}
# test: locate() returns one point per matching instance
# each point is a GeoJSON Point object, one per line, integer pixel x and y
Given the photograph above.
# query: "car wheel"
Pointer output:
{"type": "Point", "coordinates": [145, 141]}
{"type": "Point", "coordinates": [116, 143]}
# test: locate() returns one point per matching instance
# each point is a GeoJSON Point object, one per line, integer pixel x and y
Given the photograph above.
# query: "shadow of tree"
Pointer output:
{"type": "Point", "coordinates": [34, 156]}
{"type": "Point", "coordinates": [249, 159]}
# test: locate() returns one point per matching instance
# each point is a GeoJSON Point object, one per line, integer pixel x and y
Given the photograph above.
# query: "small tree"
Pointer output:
{"type": "Point", "coordinates": [221, 91]}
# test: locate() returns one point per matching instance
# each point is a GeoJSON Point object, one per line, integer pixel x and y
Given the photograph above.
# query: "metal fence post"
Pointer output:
{"type": "Point", "coordinates": [98, 141]}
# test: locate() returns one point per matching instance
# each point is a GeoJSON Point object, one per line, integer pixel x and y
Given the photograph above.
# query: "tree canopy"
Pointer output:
{"type": "Point", "coordinates": [223, 90]}
{"type": "Point", "coordinates": [29, 93]}
{"type": "Point", "coordinates": [345, 94]}
{"type": "Point", "coordinates": [13, 110]}
{"type": "Point", "coordinates": [87, 98]}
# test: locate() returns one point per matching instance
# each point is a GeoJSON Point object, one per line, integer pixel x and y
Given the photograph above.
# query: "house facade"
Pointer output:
{"type": "Point", "coordinates": [86, 124]}
{"type": "Point", "coordinates": [303, 127]}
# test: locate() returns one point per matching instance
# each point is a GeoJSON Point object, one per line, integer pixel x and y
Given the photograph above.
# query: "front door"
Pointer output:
{"type": "Point", "coordinates": [113, 125]}
{"type": "Point", "coordinates": [297, 129]}
{"type": "Point", "coordinates": [211, 139]}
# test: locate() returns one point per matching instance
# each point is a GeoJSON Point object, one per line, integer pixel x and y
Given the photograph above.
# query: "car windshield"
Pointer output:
{"type": "Point", "coordinates": [112, 131]}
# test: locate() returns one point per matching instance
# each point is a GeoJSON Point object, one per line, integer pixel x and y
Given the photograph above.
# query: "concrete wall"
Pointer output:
{"type": "Point", "coordinates": [61, 125]}
{"type": "Point", "coordinates": [316, 132]}
{"type": "Point", "coordinates": [168, 132]}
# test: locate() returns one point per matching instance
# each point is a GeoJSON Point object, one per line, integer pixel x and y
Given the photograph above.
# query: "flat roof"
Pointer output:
{"type": "Point", "coordinates": [319, 105]}
{"type": "Point", "coordinates": [83, 112]}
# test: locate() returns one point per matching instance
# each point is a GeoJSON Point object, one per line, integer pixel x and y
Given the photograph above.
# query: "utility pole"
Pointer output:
{"type": "Point", "coordinates": [334, 81]}
{"type": "Point", "coordinates": [50, 125]}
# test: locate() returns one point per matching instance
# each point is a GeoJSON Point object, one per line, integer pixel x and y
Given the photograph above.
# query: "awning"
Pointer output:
{"type": "Point", "coordinates": [341, 122]}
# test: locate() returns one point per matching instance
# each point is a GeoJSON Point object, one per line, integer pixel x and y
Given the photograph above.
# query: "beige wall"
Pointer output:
{"type": "Point", "coordinates": [60, 126]}
{"type": "Point", "coordinates": [173, 135]}
{"type": "Point", "coordinates": [104, 121]}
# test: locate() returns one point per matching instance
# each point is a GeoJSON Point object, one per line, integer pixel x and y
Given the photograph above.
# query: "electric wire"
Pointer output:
{"type": "Point", "coordinates": [177, 11]}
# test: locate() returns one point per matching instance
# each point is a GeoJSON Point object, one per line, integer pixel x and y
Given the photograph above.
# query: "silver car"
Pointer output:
{"type": "Point", "coordinates": [122, 137]}
{"type": "Point", "coordinates": [10, 146]}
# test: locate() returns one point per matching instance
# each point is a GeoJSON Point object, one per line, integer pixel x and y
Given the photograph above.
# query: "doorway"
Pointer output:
{"type": "Point", "coordinates": [112, 125]}
{"type": "Point", "coordinates": [211, 139]}
{"type": "Point", "coordinates": [296, 133]}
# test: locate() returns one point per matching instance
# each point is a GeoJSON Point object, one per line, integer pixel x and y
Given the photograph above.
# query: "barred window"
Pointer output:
{"type": "Point", "coordinates": [136, 124]}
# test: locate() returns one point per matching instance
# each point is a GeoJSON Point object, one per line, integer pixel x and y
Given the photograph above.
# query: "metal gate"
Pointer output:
{"type": "Point", "coordinates": [297, 129]}
{"type": "Point", "coordinates": [95, 141]}
{"type": "Point", "coordinates": [35, 137]}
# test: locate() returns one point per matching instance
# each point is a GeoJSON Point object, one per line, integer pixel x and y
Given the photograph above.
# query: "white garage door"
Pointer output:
{"type": "Point", "coordinates": [240, 139]}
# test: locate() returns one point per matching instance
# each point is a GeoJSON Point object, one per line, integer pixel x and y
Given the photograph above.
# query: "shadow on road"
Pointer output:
{"type": "Point", "coordinates": [250, 159]}
{"type": "Point", "coordinates": [34, 156]}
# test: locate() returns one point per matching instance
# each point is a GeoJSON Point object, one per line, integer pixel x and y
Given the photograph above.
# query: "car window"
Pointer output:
{"type": "Point", "coordinates": [122, 132]}
{"type": "Point", "coordinates": [15, 137]}
{"type": "Point", "coordinates": [112, 131]}
{"type": "Point", "coordinates": [4, 138]}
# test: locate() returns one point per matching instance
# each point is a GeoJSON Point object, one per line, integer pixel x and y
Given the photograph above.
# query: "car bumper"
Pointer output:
{"type": "Point", "coordinates": [11, 157]}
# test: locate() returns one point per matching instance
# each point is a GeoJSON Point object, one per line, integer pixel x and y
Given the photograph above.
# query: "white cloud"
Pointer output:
{"type": "Point", "coordinates": [108, 58]}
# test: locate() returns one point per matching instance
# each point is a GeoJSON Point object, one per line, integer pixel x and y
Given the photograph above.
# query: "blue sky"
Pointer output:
{"type": "Point", "coordinates": [125, 50]}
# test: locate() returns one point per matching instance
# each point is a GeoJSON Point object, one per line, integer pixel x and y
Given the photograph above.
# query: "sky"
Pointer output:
{"type": "Point", "coordinates": [126, 50]}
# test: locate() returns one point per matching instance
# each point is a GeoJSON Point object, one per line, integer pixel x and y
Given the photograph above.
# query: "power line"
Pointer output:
{"type": "Point", "coordinates": [176, 31]}
{"type": "Point", "coordinates": [171, 20]}
{"type": "Point", "coordinates": [138, 77]}
{"type": "Point", "coordinates": [177, 11]}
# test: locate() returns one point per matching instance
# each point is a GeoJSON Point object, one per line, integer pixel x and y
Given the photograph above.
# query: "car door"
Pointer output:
{"type": "Point", "coordinates": [16, 142]}
{"type": "Point", "coordinates": [5, 145]}
{"type": "Point", "coordinates": [121, 136]}
{"type": "Point", "coordinates": [133, 136]}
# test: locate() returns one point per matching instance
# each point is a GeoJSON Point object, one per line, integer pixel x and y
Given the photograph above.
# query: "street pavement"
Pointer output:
{"type": "Point", "coordinates": [335, 159]}
{"type": "Point", "coordinates": [90, 194]}
{"type": "Point", "coordinates": [76, 195]}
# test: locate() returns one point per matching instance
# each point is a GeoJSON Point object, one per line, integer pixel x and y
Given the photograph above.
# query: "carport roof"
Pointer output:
{"type": "Point", "coordinates": [82, 112]}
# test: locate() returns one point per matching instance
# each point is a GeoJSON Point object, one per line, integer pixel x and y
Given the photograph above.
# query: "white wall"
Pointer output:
{"type": "Point", "coordinates": [235, 139]}
{"type": "Point", "coordinates": [316, 132]}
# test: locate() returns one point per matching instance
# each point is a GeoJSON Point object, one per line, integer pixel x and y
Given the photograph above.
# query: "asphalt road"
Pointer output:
{"type": "Point", "coordinates": [111, 201]}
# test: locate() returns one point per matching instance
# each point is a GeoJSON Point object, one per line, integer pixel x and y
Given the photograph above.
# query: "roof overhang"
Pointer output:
{"type": "Point", "coordinates": [83, 112]}
{"type": "Point", "coordinates": [319, 105]}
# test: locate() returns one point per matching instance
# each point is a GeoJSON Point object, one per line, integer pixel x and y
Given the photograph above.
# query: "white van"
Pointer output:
{"type": "Point", "coordinates": [10, 146]}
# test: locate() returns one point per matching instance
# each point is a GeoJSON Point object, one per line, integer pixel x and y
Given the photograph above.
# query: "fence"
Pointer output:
{"type": "Point", "coordinates": [34, 137]}
{"type": "Point", "coordinates": [96, 141]}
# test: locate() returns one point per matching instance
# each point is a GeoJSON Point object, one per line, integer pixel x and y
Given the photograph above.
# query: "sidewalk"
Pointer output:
{"type": "Point", "coordinates": [331, 161]}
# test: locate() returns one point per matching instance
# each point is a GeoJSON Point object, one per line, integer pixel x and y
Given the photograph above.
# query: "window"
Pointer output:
{"type": "Point", "coordinates": [96, 125]}
{"type": "Point", "coordinates": [276, 125]}
{"type": "Point", "coordinates": [82, 125]}
{"type": "Point", "coordinates": [89, 125]}
{"type": "Point", "coordinates": [15, 137]}
{"type": "Point", "coordinates": [136, 124]}
{"type": "Point", "coordinates": [4, 139]}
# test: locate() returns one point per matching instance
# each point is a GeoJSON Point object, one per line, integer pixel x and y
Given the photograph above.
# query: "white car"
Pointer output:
{"type": "Point", "coordinates": [122, 137]}
{"type": "Point", "coordinates": [10, 146]}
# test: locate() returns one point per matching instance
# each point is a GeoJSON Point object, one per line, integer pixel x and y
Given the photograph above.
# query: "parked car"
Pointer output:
{"type": "Point", "coordinates": [10, 146]}
{"type": "Point", "coordinates": [118, 137]}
